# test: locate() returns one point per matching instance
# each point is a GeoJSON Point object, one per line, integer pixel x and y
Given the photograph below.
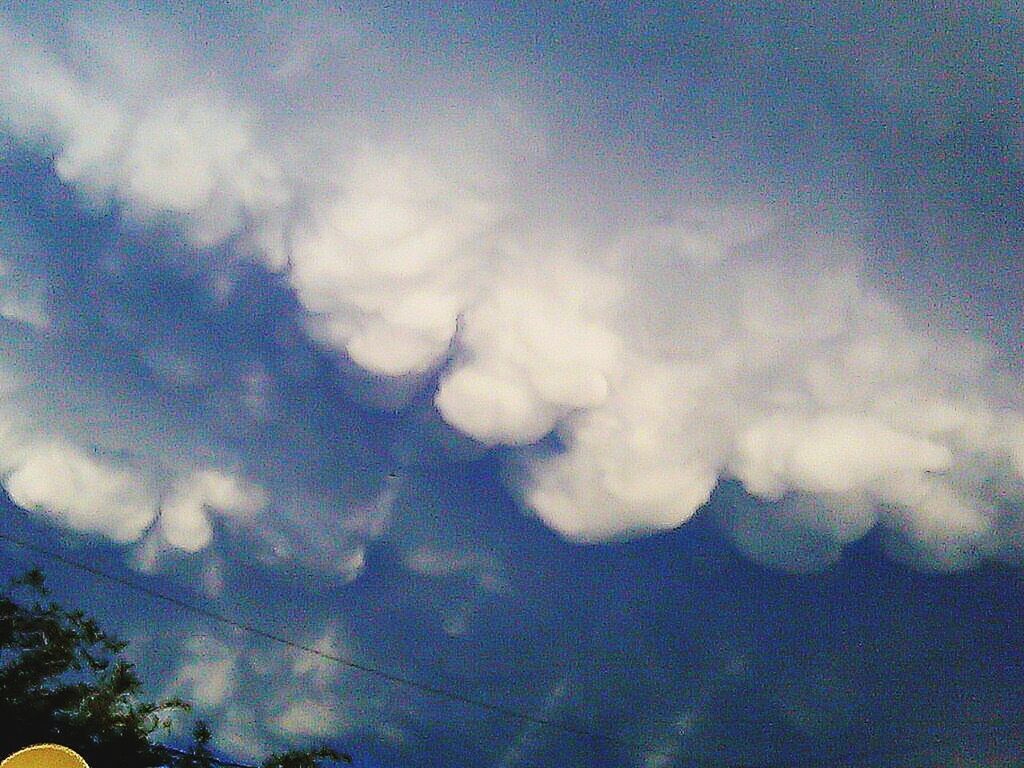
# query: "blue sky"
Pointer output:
{"type": "Point", "coordinates": [646, 369]}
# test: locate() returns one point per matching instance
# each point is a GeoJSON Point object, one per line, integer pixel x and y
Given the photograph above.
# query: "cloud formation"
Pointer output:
{"type": "Point", "coordinates": [665, 347]}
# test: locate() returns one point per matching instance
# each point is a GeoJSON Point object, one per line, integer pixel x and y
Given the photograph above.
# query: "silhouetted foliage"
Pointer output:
{"type": "Point", "coordinates": [62, 680]}
{"type": "Point", "coordinates": [305, 758]}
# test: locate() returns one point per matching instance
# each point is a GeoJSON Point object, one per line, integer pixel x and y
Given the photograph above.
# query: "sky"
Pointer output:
{"type": "Point", "coordinates": [653, 371]}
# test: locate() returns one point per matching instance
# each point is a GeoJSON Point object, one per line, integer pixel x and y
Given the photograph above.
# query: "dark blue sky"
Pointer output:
{"type": "Point", "coordinates": [649, 369]}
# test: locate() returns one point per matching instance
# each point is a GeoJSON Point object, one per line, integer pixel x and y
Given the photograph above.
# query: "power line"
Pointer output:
{"type": "Point", "coordinates": [391, 677]}
{"type": "Point", "coordinates": [212, 758]}
{"type": "Point", "coordinates": [225, 763]}
{"type": "Point", "coordinates": [442, 693]}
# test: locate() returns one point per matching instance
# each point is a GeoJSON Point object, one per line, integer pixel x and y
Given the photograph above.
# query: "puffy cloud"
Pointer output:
{"type": "Point", "coordinates": [485, 569]}
{"type": "Point", "coordinates": [82, 492]}
{"type": "Point", "coordinates": [665, 343]}
{"type": "Point", "coordinates": [93, 495]}
{"type": "Point", "coordinates": [833, 454]}
{"type": "Point", "coordinates": [22, 297]}
{"type": "Point", "coordinates": [184, 518]}
{"type": "Point", "coordinates": [797, 532]}
{"type": "Point", "coordinates": [790, 374]}
{"type": "Point", "coordinates": [391, 263]}
{"type": "Point", "coordinates": [266, 240]}
{"type": "Point", "coordinates": [533, 350]}
{"type": "Point", "coordinates": [629, 466]}
{"type": "Point", "coordinates": [107, 442]}
{"type": "Point", "coordinates": [255, 692]}
{"type": "Point", "coordinates": [207, 672]}
{"type": "Point", "coordinates": [120, 134]}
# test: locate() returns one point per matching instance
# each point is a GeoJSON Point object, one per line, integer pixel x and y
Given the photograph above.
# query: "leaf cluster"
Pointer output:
{"type": "Point", "coordinates": [63, 680]}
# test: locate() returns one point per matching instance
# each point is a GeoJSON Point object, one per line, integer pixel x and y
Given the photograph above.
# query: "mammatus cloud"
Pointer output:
{"type": "Point", "coordinates": [263, 294]}
{"type": "Point", "coordinates": [184, 523]}
{"type": "Point", "coordinates": [80, 492]}
{"type": "Point", "coordinates": [806, 384]}
{"type": "Point", "coordinates": [229, 677]}
{"type": "Point", "coordinates": [666, 349]}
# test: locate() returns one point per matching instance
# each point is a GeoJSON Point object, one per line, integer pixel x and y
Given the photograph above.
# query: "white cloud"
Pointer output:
{"type": "Point", "coordinates": [684, 342]}
{"type": "Point", "coordinates": [632, 465]}
{"type": "Point", "coordinates": [391, 263]}
{"type": "Point", "coordinates": [793, 377]}
{"type": "Point", "coordinates": [258, 695]}
{"type": "Point", "coordinates": [629, 355]}
{"type": "Point", "coordinates": [186, 155]}
{"type": "Point", "coordinates": [184, 517]}
{"type": "Point", "coordinates": [22, 297]}
{"type": "Point", "coordinates": [308, 717]}
{"type": "Point", "coordinates": [831, 454]}
{"type": "Point", "coordinates": [81, 491]}
{"type": "Point", "coordinates": [531, 351]}
{"type": "Point", "coordinates": [484, 567]}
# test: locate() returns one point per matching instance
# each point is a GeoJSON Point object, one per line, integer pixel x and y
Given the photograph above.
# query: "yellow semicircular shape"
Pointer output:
{"type": "Point", "coordinates": [45, 756]}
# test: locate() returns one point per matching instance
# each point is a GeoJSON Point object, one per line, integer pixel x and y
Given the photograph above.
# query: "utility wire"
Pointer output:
{"type": "Point", "coordinates": [442, 693]}
{"type": "Point", "coordinates": [391, 677]}
{"type": "Point", "coordinates": [213, 759]}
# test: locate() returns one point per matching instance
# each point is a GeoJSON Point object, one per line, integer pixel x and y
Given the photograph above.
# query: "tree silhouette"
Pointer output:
{"type": "Point", "coordinates": [62, 680]}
